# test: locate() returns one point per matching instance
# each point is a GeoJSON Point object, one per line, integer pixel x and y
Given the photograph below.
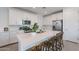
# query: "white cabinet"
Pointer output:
{"type": "Point", "coordinates": [7, 38]}
{"type": "Point", "coordinates": [19, 17]}
{"type": "Point", "coordinates": [13, 32]}
{"type": "Point", "coordinates": [15, 17]}
{"type": "Point", "coordinates": [4, 38]}
{"type": "Point", "coordinates": [13, 37]}
{"type": "Point", "coordinates": [59, 16]}
{"type": "Point", "coordinates": [48, 20]}
{"type": "Point", "coordinates": [12, 17]}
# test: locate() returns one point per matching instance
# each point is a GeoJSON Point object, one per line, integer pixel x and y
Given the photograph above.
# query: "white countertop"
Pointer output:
{"type": "Point", "coordinates": [28, 40]}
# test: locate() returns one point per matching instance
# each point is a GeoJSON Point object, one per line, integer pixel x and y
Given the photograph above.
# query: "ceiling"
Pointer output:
{"type": "Point", "coordinates": [42, 10]}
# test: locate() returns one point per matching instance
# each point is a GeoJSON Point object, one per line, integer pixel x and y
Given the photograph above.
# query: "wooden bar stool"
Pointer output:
{"type": "Point", "coordinates": [36, 48]}
{"type": "Point", "coordinates": [51, 44]}
{"type": "Point", "coordinates": [44, 46]}
{"type": "Point", "coordinates": [58, 42]}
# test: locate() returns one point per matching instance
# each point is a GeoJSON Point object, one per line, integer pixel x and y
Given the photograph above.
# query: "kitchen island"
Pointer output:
{"type": "Point", "coordinates": [28, 40]}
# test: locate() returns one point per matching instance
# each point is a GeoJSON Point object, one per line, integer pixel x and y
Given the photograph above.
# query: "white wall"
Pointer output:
{"type": "Point", "coordinates": [71, 24]}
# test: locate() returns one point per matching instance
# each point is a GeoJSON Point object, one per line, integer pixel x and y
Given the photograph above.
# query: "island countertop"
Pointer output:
{"type": "Point", "coordinates": [28, 40]}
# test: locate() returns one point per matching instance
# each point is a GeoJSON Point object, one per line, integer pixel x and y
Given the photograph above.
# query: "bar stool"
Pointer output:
{"type": "Point", "coordinates": [62, 40]}
{"type": "Point", "coordinates": [36, 48]}
{"type": "Point", "coordinates": [58, 42]}
{"type": "Point", "coordinates": [44, 46]}
{"type": "Point", "coordinates": [51, 44]}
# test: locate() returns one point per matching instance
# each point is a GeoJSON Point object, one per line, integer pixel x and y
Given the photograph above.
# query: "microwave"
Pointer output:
{"type": "Point", "coordinates": [26, 22]}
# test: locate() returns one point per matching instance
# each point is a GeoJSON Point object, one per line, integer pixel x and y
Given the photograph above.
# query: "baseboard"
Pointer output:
{"type": "Point", "coordinates": [72, 41]}
{"type": "Point", "coordinates": [8, 44]}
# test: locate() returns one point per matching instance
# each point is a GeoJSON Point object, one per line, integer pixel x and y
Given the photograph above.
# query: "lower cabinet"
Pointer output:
{"type": "Point", "coordinates": [7, 38]}
{"type": "Point", "coordinates": [13, 33]}
{"type": "Point", "coordinates": [4, 38]}
{"type": "Point", "coordinates": [13, 37]}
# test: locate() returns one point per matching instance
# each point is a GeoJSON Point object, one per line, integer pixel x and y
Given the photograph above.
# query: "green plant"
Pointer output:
{"type": "Point", "coordinates": [35, 27]}
{"type": "Point", "coordinates": [25, 28]}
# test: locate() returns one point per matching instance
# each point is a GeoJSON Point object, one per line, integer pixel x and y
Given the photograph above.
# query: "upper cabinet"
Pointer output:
{"type": "Point", "coordinates": [48, 19]}
{"type": "Point", "coordinates": [16, 16]}
{"type": "Point", "coordinates": [59, 16]}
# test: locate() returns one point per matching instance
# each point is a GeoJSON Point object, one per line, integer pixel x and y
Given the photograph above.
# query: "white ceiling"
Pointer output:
{"type": "Point", "coordinates": [43, 10]}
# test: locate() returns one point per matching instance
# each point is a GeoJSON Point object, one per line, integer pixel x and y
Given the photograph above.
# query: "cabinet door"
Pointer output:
{"type": "Point", "coordinates": [15, 16]}
{"type": "Point", "coordinates": [4, 38]}
{"type": "Point", "coordinates": [19, 17]}
{"type": "Point", "coordinates": [59, 16]}
{"type": "Point", "coordinates": [13, 37]}
{"type": "Point", "coordinates": [13, 32]}
{"type": "Point", "coordinates": [12, 17]}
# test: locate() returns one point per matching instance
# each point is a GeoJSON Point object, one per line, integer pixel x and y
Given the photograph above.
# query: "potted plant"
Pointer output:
{"type": "Point", "coordinates": [26, 29]}
{"type": "Point", "coordinates": [35, 27]}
